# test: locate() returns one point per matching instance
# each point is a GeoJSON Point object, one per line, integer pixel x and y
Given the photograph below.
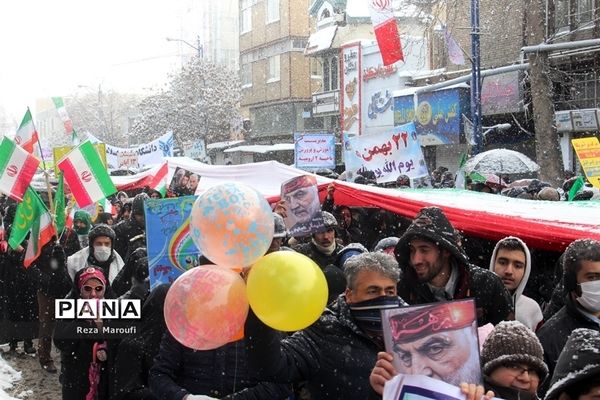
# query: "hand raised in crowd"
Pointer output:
{"type": "Point", "coordinates": [473, 391]}
{"type": "Point", "coordinates": [330, 190]}
{"type": "Point", "coordinates": [382, 372]}
{"type": "Point", "coordinates": [281, 209]}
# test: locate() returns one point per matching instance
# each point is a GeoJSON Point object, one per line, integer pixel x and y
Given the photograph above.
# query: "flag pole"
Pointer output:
{"type": "Point", "coordinates": [46, 177]}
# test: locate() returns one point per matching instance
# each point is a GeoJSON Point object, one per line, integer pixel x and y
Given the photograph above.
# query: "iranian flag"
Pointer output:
{"type": "Point", "coordinates": [16, 169]}
{"type": "Point", "coordinates": [86, 175]}
{"type": "Point", "coordinates": [26, 135]}
{"type": "Point", "coordinates": [62, 113]}
{"type": "Point", "coordinates": [386, 31]}
{"type": "Point", "coordinates": [159, 181]}
{"type": "Point", "coordinates": [42, 231]}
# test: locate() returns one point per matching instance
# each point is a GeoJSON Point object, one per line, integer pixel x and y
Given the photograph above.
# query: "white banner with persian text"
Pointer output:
{"type": "Point", "coordinates": [388, 154]}
{"type": "Point", "coordinates": [314, 151]}
{"type": "Point", "coordinates": [140, 156]}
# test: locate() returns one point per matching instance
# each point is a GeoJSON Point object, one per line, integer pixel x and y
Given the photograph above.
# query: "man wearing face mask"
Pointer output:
{"type": "Point", "coordinates": [334, 355]}
{"type": "Point", "coordinates": [581, 266]}
{"type": "Point", "coordinates": [99, 253]}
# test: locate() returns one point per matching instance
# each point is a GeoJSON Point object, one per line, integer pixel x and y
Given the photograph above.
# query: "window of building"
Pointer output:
{"type": "Point", "coordinates": [330, 73]}
{"type": "Point", "coordinates": [246, 17]}
{"type": "Point", "coordinates": [274, 73]}
{"type": "Point", "coordinates": [334, 73]}
{"type": "Point", "coordinates": [246, 75]}
{"type": "Point", "coordinates": [326, 75]}
{"type": "Point", "coordinates": [315, 68]}
{"type": "Point", "coordinates": [272, 11]}
{"type": "Point", "coordinates": [569, 14]}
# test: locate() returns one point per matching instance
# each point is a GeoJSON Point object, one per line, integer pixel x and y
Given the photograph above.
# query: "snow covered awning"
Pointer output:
{"type": "Point", "coordinates": [223, 145]}
{"type": "Point", "coordinates": [261, 148]}
{"type": "Point", "coordinates": [320, 40]}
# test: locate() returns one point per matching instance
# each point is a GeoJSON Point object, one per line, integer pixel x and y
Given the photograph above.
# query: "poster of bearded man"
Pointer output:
{"type": "Point", "coordinates": [438, 340]}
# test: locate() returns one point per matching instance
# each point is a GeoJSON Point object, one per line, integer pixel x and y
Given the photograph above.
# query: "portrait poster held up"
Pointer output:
{"type": "Point", "coordinates": [387, 154]}
{"type": "Point", "coordinates": [413, 387]}
{"type": "Point", "coordinates": [184, 182]}
{"type": "Point", "coordinates": [438, 340]}
{"type": "Point", "coordinates": [303, 209]}
{"type": "Point", "coordinates": [171, 250]}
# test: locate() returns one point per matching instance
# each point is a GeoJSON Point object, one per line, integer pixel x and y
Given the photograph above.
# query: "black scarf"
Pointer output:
{"type": "Point", "coordinates": [367, 314]}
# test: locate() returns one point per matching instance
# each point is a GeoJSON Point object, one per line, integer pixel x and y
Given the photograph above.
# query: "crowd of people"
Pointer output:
{"type": "Point", "coordinates": [542, 310]}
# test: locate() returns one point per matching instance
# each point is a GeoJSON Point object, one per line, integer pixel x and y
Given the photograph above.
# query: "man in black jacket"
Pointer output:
{"type": "Point", "coordinates": [435, 268]}
{"type": "Point", "coordinates": [323, 247]}
{"type": "Point", "coordinates": [334, 355]}
{"type": "Point", "coordinates": [581, 264]}
{"type": "Point", "coordinates": [53, 283]}
{"type": "Point", "coordinates": [132, 227]}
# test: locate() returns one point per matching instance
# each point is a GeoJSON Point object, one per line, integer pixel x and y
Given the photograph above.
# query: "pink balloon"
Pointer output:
{"type": "Point", "coordinates": [206, 307]}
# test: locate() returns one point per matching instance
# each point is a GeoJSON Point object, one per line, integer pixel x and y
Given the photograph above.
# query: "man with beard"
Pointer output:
{"type": "Point", "coordinates": [435, 268]}
{"type": "Point", "coordinates": [438, 341]}
{"type": "Point", "coordinates": [301, 202]}
{"type": "Point", "coordinates": [323, 248]}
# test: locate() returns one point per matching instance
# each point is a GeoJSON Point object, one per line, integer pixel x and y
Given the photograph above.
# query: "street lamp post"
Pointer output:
{"type": "Point", "coordinates": [476, 78]}
{"type": "Point", "coordinates": [199, 48]}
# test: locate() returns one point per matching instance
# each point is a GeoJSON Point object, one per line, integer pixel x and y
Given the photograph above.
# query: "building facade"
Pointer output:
{"type": "Point", "coordinates": [275, 75]}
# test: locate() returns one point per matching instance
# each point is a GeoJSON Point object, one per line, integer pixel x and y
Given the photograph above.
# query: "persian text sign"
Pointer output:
{"type": "Point", "coordinates": [588, 152]}
{"type": "Point", "coordinates": [313, 151]}
{"type": "Point", "coordinates": [137, 157]}
{"type": "Point", "coordinates": [387, 154]}
{"type": "Point", "coordinates": [171, 250]}
{"type": "Point", "coordinates": [351, 89]}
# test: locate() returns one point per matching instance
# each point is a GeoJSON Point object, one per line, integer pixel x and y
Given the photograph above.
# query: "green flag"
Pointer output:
{"type": "Point", "coordinates": [27, 212]}
{"type": "Point", "coordinates": [59, 205]}
{"type": "Point", "coordinates": [577, 185]}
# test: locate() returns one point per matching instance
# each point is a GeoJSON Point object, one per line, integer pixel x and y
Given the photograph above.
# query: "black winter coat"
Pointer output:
{"type": "Point", "coordinates": [19, 317]}
{"type": "Point", "coordinates": [76, 354]}
{"type": "Point", "coordinates": [554, 334]}
{"type": "Point", "coordinates": [492, 300]}
{"type": "Point", "coordinates": [322, 259]}
{"type": "Point", "coordinates": [56, 283]}
{"type": "Point", "coordinates": [333, 355]}
{"type": "Point", "coordinates": [179, 370]}
{"type": "Point", "coordinates": [124, 232]}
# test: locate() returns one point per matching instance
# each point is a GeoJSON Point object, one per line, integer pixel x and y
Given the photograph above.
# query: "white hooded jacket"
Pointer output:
{"type": "Point", "coordinates": [79, 261]}
{"type": "Point", "coordinates": [527, 310]}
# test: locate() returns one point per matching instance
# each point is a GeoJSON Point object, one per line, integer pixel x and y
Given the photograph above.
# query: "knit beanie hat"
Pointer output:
{"type": "Point", "coordinates": [578, 361]}
{"type": "Point", "coordinates": [101, 230]}
{"type": "Point", "coordinates": [430, 224]}
{"type": "Point", "coordinates": [512, 342]}
{"type": "Point", "coordinates": [137, 206]}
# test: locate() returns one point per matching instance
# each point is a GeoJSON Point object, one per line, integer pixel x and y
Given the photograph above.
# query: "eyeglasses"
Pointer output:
{"type": "Point", "coordinates": [91, 288]}
{"type": "Point", "coordinates": [519, 369]}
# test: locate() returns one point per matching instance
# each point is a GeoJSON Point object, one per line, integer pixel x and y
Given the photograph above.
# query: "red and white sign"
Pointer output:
{"type": "Point", "coordinates": [386, 31]}
{"type": "Point", "coordinates": [351, 84]}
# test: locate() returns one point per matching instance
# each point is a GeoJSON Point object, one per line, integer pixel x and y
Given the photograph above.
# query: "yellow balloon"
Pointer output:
{"type": "Point", "coordinates": [287, 290]}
